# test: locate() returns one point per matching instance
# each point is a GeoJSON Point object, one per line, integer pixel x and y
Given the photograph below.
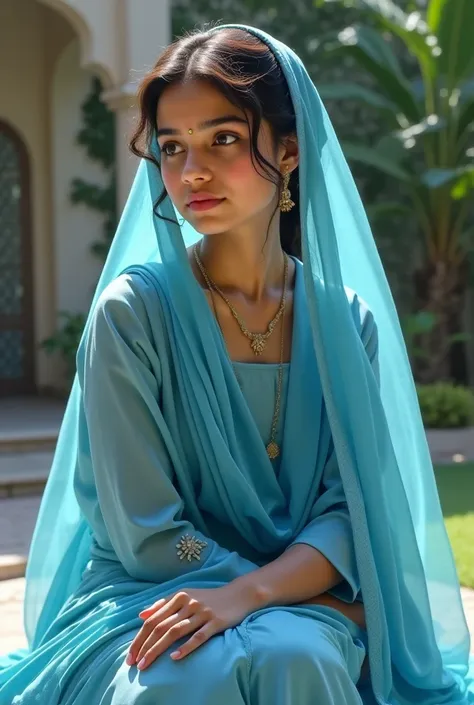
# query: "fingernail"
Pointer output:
{"type": "Point", "coordinates": [175, 654]}
{"type": "Point", "coordinates": [129, 660]}
{"type": "Point", "coordinates": [141, 664]}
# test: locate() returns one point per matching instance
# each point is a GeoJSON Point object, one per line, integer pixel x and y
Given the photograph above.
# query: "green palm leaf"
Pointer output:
{"type": "Point", "coordinates": [410, 28]}
{"type": "Point", "coordinates": [375, 54]}
{"type": "Point", "coordinates": [373, 157]}
{"type": "Point", "coordinates": [454, 22]}
{"type": "Point", "coordinates": [352, 91]}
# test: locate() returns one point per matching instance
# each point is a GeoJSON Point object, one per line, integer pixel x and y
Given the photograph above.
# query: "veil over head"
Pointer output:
{"type": "Point", "coordinates": [418, 638]}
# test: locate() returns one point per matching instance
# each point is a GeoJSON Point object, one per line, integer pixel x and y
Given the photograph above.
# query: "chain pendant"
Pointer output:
{"type": "Point", "coordinates": [258, 343]}
{"type": "Point", "coordinates": [273, 450]}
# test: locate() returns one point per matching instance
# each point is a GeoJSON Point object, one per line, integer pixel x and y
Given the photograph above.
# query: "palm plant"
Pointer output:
{"type": "Point", "coordinates": [428, 145]}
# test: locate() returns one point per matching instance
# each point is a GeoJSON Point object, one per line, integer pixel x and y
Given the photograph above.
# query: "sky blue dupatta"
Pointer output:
{"type": "Point", "coordinates": [418, 639]}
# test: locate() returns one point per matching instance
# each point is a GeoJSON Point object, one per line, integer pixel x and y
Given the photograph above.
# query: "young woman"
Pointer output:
{"type": "Point", "coordinates": [242, 508]}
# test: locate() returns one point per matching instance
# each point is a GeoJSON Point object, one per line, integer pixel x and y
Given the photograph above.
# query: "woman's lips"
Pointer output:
{"type": "Point", "coordinates": [205, 205]}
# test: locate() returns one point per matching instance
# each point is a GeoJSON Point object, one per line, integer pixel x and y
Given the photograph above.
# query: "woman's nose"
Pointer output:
{"type": "Point", "coordinates": [195, 170]}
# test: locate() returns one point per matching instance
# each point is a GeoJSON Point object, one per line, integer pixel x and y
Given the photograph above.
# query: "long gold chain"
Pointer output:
{"type": "Point", "coordinates": [273, 449]}
{"type": "Point", "coordinates": [257, 340]}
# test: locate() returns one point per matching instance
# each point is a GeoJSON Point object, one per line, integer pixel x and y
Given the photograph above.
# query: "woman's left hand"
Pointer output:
{"type": "Point", "coordinates": [202, 613]}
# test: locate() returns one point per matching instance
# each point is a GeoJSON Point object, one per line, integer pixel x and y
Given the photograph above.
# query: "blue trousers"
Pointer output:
{"type": "Point", "coordinates": [296, 656]}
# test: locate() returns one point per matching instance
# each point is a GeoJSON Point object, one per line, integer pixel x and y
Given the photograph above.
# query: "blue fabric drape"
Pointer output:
{"type": "Point", "coordinates": [418, 639]}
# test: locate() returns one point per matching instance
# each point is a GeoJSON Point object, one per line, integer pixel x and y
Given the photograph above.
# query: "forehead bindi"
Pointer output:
{"type": "Point", "coordinates": [195, 106]}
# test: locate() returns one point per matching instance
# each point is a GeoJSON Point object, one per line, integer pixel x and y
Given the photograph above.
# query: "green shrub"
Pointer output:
{"type": "Point", "coordinates": [65, 340]}
{"type": "Point", "coordinates": [444, 405]}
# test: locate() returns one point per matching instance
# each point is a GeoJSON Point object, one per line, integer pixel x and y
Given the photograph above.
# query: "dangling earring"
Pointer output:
{"type": "Point", "coordinates": [286, 204]}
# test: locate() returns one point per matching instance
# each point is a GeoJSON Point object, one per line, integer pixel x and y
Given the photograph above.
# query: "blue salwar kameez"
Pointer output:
{"type": "Point", "coordinates": [164, 437]}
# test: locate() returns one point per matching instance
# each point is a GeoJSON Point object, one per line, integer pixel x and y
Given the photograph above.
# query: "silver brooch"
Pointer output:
{"type": "Point", "coordinates": [190, 547]}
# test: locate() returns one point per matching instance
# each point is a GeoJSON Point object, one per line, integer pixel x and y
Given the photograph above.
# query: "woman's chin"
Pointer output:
{"type": "Point", "coordinates": [216, 228]}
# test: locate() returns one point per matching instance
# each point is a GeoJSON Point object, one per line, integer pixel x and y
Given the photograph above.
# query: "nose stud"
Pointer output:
{"type": "Point", "coordinates": [190, 132]}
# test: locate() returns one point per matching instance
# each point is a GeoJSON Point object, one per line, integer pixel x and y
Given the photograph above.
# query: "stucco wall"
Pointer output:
{"type": "Point", "coordinates": [24, 104]}
{"type": "Point", "coordinates": [75, 226]}
{"type": "Point", "coordinates": [41, 88]}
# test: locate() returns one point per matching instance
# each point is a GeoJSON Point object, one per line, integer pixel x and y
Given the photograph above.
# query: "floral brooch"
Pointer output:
{"type": "Point", "coordinates": [190, 547]}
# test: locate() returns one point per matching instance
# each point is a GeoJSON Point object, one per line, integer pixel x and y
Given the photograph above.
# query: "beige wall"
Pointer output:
{"type": "Point", "coordinates": [75, 226]}
{"type": "Point", "coordinates": [40, 95]}
{"type": "Point", "coordinates": [30, 38]}
{"type": "Point", "coordinates": [24, 104]}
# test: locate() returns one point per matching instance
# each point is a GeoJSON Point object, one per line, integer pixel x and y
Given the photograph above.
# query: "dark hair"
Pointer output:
{"type": "Point", "coordinates": [246, 72]}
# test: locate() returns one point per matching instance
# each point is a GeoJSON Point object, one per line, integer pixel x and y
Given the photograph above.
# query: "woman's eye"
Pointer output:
{"type": "Point", "coordinates": [170, 149]}
{"type": "Point", "coordinates": [224, 136]}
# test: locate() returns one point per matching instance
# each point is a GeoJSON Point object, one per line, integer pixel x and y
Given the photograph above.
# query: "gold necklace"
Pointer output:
{"type": "Point", "coordinates": [272, 448]}
{"type": "Point", "coordinates": [257, 340]}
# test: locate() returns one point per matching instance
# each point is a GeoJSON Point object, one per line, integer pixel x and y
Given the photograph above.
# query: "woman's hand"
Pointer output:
{"type": "Point", "coordinates": [202, 613]}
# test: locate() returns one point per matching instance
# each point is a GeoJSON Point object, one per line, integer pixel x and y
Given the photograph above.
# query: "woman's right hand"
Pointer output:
{"type": "Point", "coordinates": [354, 610]}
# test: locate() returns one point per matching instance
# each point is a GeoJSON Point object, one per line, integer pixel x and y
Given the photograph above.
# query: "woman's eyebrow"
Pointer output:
{"type": "Point", "coordinates": [214, 122]}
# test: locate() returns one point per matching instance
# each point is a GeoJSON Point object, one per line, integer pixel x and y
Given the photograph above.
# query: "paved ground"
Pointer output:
{"type": "Point", "coordinates": [11, 618]}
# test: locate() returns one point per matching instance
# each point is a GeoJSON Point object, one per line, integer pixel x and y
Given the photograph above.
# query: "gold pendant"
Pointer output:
{"type": "Point", "coordinates": [258, 343]}
{"type": "Point", "coordinates": [273, 450]}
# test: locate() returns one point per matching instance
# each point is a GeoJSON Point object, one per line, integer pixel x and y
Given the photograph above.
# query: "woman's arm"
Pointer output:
{"type": "Point", "coordinates": [299, 574]}
{"type": "Point", "coordinates": [127, 459]}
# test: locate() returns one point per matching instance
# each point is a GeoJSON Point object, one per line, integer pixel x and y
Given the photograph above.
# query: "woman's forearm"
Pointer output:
{"type": "Point", "coordinates": [301, 573]}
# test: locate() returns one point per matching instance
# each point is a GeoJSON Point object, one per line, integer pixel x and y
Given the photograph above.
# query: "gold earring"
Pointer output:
{"type": "Point", "coordinates": [286, 204]}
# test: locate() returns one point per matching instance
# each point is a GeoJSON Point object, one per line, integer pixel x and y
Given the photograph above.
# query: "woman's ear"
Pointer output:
{"type": "Point", "coordinates": [289, 154]}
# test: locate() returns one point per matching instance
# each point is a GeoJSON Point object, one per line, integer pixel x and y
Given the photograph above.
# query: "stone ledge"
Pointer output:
{"type": "Point", "coordinates": [24, 473]}
{"type": "Point", "coordinates": [446, 444]}
{"type": "Point", "coordinates": [12, 567]}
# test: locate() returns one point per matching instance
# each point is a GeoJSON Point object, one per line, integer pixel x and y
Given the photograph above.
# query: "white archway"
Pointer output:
{"type": "Point", "coordinates": [98, 50]}
{"type": "Point", "coordinates": [120, 40]}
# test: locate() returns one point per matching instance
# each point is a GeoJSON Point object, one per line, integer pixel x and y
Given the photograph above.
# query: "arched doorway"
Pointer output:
{"type": "Point", "coordinates": [16, 286]}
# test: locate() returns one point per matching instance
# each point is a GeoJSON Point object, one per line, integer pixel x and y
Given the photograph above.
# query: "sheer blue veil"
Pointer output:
{"type": "Point", "coordinates": [409, 583]}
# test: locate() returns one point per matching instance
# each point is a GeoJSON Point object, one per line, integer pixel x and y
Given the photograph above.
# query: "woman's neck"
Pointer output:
{"type": "Point", "coordinates": [248, 265]}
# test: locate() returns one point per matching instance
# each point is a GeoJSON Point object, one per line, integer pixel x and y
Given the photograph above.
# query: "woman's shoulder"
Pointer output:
{"type": "Point", "coordinates": [361, 310]}
{"type": "Point", "coordinates": [134, 288]}
{"type": "Point", "coordinates": [131, 301]}
{"type": "Point", "coordinates": [365, 323]}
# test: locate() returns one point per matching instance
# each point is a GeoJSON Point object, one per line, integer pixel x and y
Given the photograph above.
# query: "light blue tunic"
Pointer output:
{"type": "Point", "coordinates": [139, 493]}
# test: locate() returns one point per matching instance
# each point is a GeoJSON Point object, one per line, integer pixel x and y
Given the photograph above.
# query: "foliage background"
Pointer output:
{"type": "Point", "coordinates": [302, 24]}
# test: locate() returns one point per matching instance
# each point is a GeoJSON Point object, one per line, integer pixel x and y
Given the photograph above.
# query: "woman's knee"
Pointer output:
{"type": "Point", "coordinates": [297, 646]}
{"type": "Point", "coordinates": [295, 651]}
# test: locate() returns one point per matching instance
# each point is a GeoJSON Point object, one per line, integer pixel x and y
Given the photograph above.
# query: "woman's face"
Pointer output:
{"type": "Point", "coordinates": [213, 161]}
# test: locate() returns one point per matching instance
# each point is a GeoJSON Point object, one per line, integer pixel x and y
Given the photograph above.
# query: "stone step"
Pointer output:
{"type": "Point", "coordinates": [27, 442]}
{"type": "Point", "coordinates": [24, 473]}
